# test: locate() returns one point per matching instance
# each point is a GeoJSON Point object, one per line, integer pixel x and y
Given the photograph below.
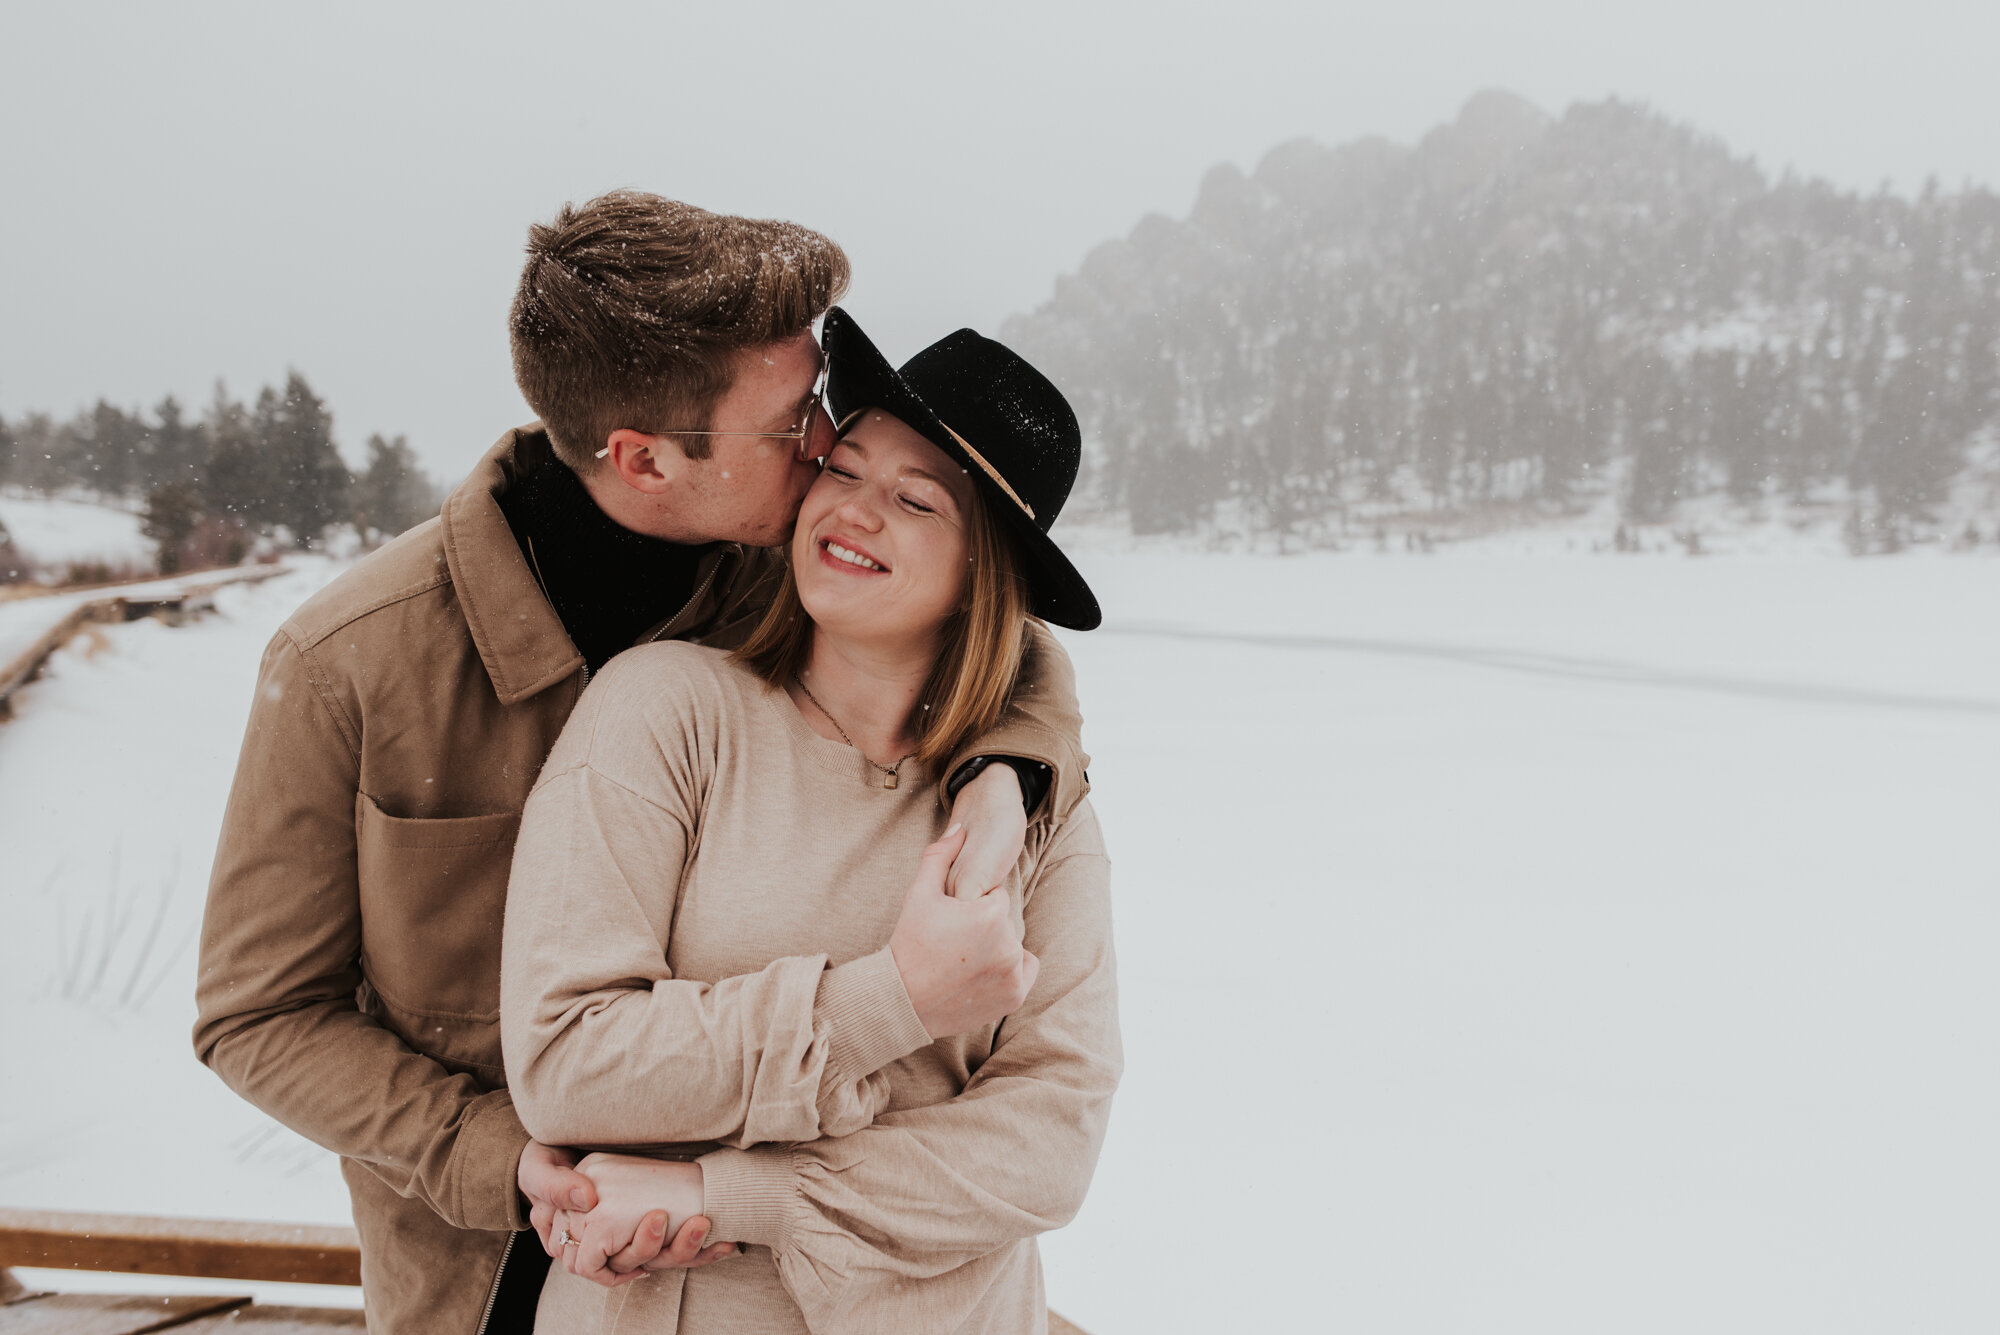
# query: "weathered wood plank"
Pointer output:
{"type": "Point", "coordinates": [215, 1249]}
{"type": "Point", "coordinates": [23, 669]}
{"type": "Point", "coordinates": [255, 1320]}
{"type": "Point", "coordinates": [107, 1313]}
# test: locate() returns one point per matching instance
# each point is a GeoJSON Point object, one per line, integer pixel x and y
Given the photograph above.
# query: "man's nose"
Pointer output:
{"type": "Point", "coordinates": [820, 436]}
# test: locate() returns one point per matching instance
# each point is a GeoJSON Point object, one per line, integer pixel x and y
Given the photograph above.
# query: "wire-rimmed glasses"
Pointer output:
{"type": "Point", "coordinates": [800, 435]}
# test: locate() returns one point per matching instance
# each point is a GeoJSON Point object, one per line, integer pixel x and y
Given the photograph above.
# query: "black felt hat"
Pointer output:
{"type": "Point", "coordinates": [1000, 419]}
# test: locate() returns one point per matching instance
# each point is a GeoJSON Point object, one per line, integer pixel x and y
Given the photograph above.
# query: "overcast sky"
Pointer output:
{"type": "Point", "coordinates": [196, 190]}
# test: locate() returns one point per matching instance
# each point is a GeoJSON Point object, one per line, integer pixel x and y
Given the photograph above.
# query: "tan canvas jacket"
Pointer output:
{"type": "Point", "coordinates": [349, 977]}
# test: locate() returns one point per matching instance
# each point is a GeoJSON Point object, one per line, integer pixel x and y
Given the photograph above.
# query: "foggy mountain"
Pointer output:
{"type": "Point", "coordinates": [1524, 316]}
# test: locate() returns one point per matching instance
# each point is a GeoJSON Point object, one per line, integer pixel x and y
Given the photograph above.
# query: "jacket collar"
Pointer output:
{"type": "Point", "coordinates": [520, 638]}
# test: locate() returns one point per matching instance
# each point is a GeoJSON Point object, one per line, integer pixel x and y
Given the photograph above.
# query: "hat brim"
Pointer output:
{"type": "Point", "coordinates": [859, 377]}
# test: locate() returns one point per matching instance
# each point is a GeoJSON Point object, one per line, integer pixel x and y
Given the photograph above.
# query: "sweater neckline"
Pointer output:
{"type": "Point", "coordinates": [836, 758]}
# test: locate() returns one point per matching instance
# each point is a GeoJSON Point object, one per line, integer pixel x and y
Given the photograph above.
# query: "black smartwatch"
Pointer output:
{"type": "Point", "coordinates": [1035, 778]}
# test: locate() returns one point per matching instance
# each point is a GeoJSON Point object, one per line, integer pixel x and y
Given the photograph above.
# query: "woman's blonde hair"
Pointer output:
{"type": "Point", "coordinates": [979, 651]}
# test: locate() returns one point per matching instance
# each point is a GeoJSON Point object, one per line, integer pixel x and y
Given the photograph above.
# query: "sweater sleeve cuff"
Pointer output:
{"type": "Point", "coordinates": [866, 1015]}
{"type": "Point", "coordinates": [486, 1159]}
{"type": "Point", "coordinates": [748, 1195]}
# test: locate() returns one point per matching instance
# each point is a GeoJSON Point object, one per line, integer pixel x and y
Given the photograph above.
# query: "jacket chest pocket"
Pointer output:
{"type": "Point", "coordinates": [433, 893]}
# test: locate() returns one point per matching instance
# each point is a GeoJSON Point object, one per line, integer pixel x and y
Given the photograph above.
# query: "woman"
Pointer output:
{"type": "Point", "coordinates": [710, 886]}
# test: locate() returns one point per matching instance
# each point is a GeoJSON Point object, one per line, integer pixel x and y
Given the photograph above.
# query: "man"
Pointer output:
{"type": "Point", "coordinates": [349, 973]}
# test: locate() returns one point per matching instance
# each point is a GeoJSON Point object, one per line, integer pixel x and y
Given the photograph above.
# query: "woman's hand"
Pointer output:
{"type": "Point", "coordinates": [996, 830]}
{"type": "Point", "coordinates": [640, 1203]}
{"type": "Point", "coordinates": [961, 959]}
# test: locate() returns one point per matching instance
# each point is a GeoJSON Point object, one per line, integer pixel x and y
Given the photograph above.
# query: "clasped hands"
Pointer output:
{"type": "Point", "coordinates": [638, 1204]}
{"type": "Point", "coordinates": [608, 1218]}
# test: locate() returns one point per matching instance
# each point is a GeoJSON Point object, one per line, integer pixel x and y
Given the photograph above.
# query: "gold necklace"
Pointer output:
{"type": "Point", "coordinates": [891, 774]}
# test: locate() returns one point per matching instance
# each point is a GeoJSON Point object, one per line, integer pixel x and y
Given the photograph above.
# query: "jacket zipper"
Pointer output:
{"type": "Point", "coordinates": [493, 1294]}
{"type": "Point", "coordinates": [700, 592]}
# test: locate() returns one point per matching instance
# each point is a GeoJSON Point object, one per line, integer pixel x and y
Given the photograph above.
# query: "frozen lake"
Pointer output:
{"type": "Point", "coordinates": [1538, 944]}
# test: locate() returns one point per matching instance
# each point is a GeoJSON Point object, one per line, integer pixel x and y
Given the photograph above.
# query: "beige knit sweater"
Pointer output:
{"type": "Point", "coordinates": [697, 960]}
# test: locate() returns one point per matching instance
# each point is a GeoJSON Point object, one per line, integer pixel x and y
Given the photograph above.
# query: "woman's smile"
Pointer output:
{"type": "Point", "coordinates": [847, 557]}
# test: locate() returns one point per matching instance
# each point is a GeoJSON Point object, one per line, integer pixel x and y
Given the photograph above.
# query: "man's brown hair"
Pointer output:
{"type": "Point", "coordinates": [632, 307]}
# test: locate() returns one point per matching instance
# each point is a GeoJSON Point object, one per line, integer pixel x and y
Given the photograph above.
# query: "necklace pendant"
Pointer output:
{"type": "Point", "coordinates": [889, 779]}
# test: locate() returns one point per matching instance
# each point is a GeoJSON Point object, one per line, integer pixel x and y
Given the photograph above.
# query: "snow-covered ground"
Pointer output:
{"type": "Point", "coordinates": [1511, 944]}
{"type": "Point", "coordinates": [55, 532]}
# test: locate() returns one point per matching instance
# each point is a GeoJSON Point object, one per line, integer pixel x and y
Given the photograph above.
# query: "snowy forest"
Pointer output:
{"type": "Point", "coordinates": [1525, 316]}
{"type": "Point", "coordinates": [211, 484]}
{"type": "Point", "coordinates": [1522, 317]}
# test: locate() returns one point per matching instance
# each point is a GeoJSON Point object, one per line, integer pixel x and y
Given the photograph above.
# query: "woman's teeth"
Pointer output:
{"type": "Point", "coordinates": [851, 557]}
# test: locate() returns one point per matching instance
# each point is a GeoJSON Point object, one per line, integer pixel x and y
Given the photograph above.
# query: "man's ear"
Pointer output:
{"type": "Point", "coordinates": [652, 465]}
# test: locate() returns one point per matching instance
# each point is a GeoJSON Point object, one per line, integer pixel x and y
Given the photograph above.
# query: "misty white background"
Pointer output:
{"type": "Point", "coordinates": [1570, 943]}
{"type": "Point", "coordinates": [195, 190]}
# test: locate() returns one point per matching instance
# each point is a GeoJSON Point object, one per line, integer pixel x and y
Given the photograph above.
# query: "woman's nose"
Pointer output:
{"type": "Point", "coordinates": [858, 509]}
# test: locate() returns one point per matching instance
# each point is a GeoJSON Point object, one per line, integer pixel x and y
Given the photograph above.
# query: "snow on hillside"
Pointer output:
{"type": "Point", "coordinates": [1830, 519]}
{"type": "Point", "coordinates": [54, 531]}
{"type": "Point", "coordinates": [1522, 945]}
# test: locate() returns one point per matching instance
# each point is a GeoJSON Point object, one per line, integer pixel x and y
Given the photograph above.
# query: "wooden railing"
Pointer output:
{"type": "Point", "coordinates": [191, 595]}
{"type": "Point", "coordinates": [208, 1248]}
{"type": "Point", "coordinates": [202, 1248]}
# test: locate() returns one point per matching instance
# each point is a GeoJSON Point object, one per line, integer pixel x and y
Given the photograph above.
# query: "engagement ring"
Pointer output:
{"type": "Point", "coordinates": [563, 1239]}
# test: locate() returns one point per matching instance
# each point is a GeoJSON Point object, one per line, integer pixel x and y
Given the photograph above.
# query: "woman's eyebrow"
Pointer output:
{"type": "Point", "coordinates": [908, 470]}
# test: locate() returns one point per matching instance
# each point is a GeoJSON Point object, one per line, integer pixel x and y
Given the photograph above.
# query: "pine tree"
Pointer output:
{"type": "Point", "coordinates": [172, 512]}
{"type": "Point", "coordinates": [116, 445]}
{"type": "Point", "coordinates": [175, 448]}
{"type": "Point", "coordinates": [235, 481]}
{"type": "Point", "coordinates": [310, 481]}
{"type": "Point", "coordinates": [393, 494]}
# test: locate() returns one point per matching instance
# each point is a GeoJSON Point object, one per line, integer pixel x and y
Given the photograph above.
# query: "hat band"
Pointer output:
{"type": "Point", "coordinates": [965, 445]}
{"type": "Point", "coordinates": [991, 471]}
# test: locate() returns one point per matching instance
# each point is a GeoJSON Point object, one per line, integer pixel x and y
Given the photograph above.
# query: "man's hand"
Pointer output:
{"type": "Point", "coordinates": [548, 1178]}
{"type": "Point", "coordinates": [639, 1201]}
{"type": "Point", "coordinates": [961, 959]}
{"type": "Point", "coordinates": [996, 828]}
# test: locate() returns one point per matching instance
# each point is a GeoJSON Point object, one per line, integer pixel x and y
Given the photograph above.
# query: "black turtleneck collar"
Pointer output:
{"type": "Point", "coordinates": [607, 584]}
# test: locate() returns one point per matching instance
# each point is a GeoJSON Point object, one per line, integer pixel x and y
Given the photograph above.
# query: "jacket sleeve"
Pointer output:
{"type": "Point", "coordinates": [606, 1047]}
{"type": "Point", "coordinates": [856, 1223]}
{"type": "Point", "coordinates": [1043, 723]}
{"type": "Point", "coordinates": [279, 971]}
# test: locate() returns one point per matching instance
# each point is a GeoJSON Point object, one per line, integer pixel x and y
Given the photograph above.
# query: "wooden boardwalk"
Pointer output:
{"type": "Point", "coordinates": [31, 629]}
{"type": "Point", "coordinates": [203, 1248]}
{"type": "Point", "coordinates": [210, 1249]}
